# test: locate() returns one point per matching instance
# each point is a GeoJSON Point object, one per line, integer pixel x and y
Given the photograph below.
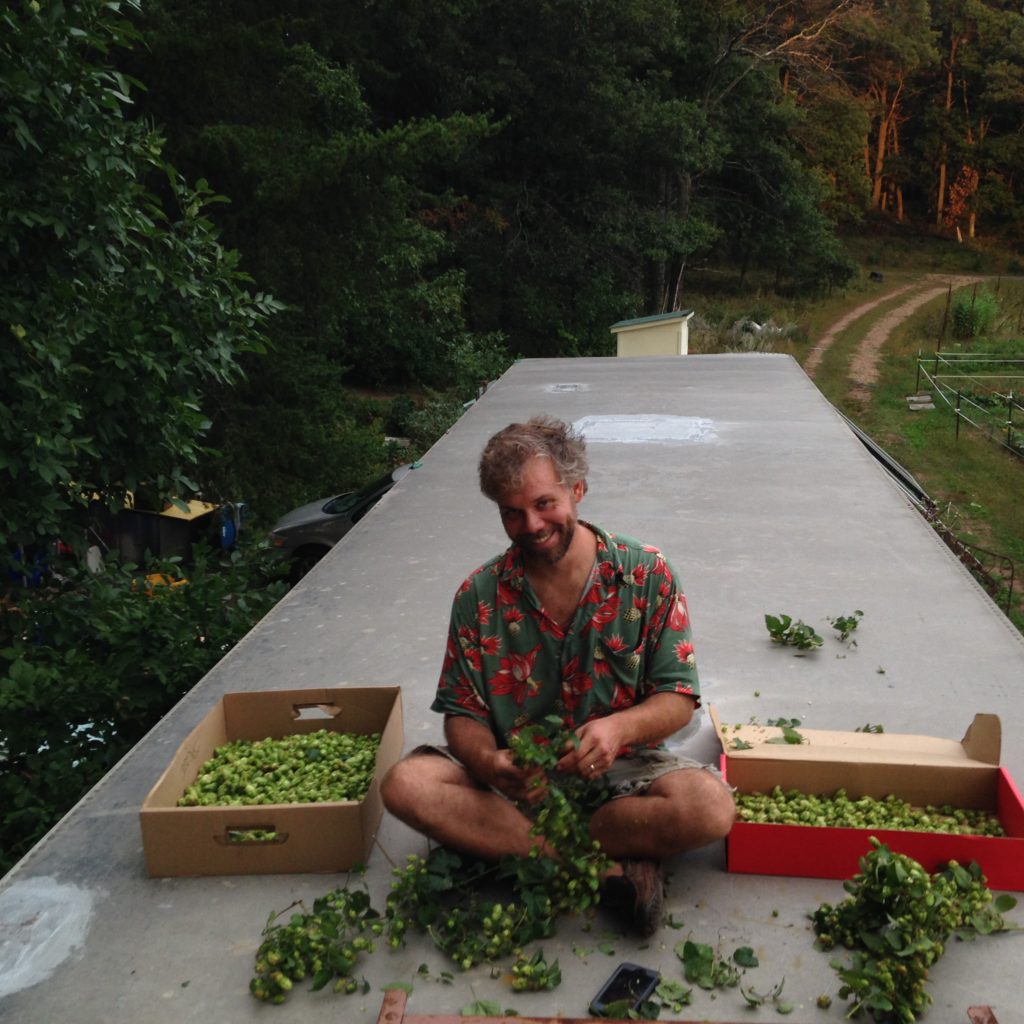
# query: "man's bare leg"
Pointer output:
{"type": "Point", "coordinates": [680, 811]}
{"type": "Point", "coordinates": [439, 798]}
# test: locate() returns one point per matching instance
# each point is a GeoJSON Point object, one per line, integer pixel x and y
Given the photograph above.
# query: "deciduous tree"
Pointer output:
{"type": "Point", "coordinates": [120, 306]}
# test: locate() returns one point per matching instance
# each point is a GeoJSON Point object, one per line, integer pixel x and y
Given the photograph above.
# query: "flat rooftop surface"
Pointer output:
{"type": "Point", "coordinates": [763, 499]}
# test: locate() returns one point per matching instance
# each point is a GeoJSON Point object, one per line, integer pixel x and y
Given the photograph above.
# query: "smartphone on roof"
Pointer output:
{"type": "Point", "coordinates": [629, 985]}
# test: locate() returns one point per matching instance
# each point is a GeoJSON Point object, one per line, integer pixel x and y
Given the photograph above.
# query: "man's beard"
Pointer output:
{"type": "Point", "coordinates": [554, 555]}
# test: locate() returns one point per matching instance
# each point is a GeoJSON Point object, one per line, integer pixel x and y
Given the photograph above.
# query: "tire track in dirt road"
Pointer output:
{"type": "Point", "coordinates": [824, 343]}
{"type": "Point", "coordinates": [863, 371]}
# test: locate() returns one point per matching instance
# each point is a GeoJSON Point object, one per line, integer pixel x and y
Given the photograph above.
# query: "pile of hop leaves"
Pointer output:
{"type": "Point", "coordinates": [444, 894]}
{"type": "Point", "coordinates": [324, 944]}
{"type": "Point", "coordinates": [535, 974]}
{"type": "Point", "coordinates": [896, 921]}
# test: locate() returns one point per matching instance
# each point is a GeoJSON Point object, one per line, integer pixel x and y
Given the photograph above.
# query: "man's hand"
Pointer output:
{"type": "Point", "coordinates": [600, 741]}
{"type": "Point", "coordinates": [523, 785]}
{"type": "Point", "coordinates": [598, 744]}
{"type": "Point", "coordinates": [474, 745]}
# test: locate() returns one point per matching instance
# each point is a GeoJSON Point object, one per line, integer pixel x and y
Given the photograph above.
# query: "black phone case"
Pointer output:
{"type": "Point", "coordinates": [629, 981]}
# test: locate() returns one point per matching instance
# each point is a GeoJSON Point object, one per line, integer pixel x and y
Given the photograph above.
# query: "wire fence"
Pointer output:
{"type": "Point", "coordinates": [995, 572]}
{"type": "Point", "coordinates": [984, 391]}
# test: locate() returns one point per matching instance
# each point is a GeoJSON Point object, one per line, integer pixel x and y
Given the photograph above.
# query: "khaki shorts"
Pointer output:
{"type": "Point", "coordinates": [628, 776]}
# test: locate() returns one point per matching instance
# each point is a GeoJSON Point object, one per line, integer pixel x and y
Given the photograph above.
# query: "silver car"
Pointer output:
{"type": "Point", "coordinates": [307, 533]}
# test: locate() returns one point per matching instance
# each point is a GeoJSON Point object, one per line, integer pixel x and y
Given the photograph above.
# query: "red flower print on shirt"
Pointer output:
{"type": "Point", "coordinates": [684, 652]}
{"type": "Point", "coordinates": [468, 581]}
{"type": "Point", "coordinates": [576, 684]}
{"type": "Point", "coordinates": [466, 697]}
{"type": "Point", "coordinates": [678, 615]}
{"type": "Point", "coordinates": [622, 698]}
{"type": "Point", "coordinates": [515, 676]}
{"type": "Point", "coordinates": [490, 644]}
{"type": "Point", "coordinates": [607, 612]}
{"type": "Point", "coordinates": [483, 612]}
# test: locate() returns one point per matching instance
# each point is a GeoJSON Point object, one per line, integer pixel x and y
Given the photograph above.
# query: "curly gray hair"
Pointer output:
{"type": "Point", "coordinates": [506, 454]}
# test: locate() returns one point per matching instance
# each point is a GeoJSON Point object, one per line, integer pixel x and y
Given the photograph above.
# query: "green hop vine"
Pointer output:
{"type": "Point", "coordinates": [325, 944]}
{"type": "Point", "coordinates": [535, 974]}
{"type": "Point", "coordinates": [441, 894]}
{"type": "Point", "coordinates": [896, 922]}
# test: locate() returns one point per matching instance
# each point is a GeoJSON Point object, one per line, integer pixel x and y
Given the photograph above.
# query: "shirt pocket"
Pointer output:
{"type": "Point", "coordinates": [623, 660]}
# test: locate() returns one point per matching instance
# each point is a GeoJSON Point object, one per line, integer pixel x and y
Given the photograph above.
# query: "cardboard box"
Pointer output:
{"type": "Point", "coordinates": [920, 769]}
{"type": "Point", "coordinates": [308, 837]}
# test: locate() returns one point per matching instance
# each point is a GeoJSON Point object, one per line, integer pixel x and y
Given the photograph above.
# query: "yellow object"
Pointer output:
{"type": "Point", "coordinates": [193, 509]}
{"type": "Point", "coordinates": [160, 579]}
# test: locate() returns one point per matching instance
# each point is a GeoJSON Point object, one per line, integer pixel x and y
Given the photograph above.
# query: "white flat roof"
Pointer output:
{"type": "Point", "coordinates": [769, 505]}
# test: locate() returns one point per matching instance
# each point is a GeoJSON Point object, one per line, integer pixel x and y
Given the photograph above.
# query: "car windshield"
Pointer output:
{"type": "Point", "coordinates": [346, 502]}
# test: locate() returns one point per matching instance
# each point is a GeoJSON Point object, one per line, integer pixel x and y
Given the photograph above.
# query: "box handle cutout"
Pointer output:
{"type": "Point", "coordinates": [251, 835]}
{"type": "Point", "coordinates": [312, 712]}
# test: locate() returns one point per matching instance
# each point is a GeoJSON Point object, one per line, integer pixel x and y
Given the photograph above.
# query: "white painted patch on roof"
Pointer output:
{"type": "Point", "coordinates": [42, 922]}
{"type": "Point", "coordinates": [647, 429]}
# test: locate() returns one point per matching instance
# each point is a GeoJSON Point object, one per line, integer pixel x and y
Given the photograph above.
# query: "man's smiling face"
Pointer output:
{"type": "Point", "coordinates": [540, 515]}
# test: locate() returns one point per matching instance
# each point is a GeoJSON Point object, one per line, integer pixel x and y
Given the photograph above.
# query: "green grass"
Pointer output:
{"type": "Point", "coordinates": [882, 244]}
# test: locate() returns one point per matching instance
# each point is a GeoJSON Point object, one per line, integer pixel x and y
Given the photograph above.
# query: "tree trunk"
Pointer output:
{"type": "Point", "coordinates": [894, 125]}
{"type": "Point", "coordinates": [887, 121]}
{"type": "Point", "coordinates": [665, 277]}
{"type": "Point", "coordinates": [879, 155]}
{"type": "Point", "coordinates": [940, 196]}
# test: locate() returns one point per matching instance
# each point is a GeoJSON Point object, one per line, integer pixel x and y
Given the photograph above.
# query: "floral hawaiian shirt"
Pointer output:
{"type": "Point", "coordinates": [508, 664]}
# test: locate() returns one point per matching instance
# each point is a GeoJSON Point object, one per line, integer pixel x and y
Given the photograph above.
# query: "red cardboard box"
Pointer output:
{"type": "Point", "coordinates": [920, 769]}
{"type": "Point", "coordinates": [327, 837]}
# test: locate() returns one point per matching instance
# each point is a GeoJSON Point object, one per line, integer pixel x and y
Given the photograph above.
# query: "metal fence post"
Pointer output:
{"type": "Point", "coordinates": [957, 435]}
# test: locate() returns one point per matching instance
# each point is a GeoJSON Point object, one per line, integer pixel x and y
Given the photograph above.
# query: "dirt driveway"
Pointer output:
{"type": "Point", "coordinates": [863, 372]}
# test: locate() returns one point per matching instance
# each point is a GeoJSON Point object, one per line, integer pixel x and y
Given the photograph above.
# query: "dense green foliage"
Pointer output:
{"type": "Point", "coordinates": [433, 185]}
{"type": "Point", "coordinates": [91, 661]}
{"type": "Point", "coordinates": [120, 308]}
{"type": "Point", "coordinates": [974, 313]}
{"type": "Point", "coordinates": [121, 311]}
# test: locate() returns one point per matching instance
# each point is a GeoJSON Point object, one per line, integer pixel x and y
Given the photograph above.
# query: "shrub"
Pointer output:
{"type": "Point", "coordinates": [89, 662]}
{"type": "Point", "coordinates": [428, 424]}
{"type": "Point", "coordinates": [974, 314]}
